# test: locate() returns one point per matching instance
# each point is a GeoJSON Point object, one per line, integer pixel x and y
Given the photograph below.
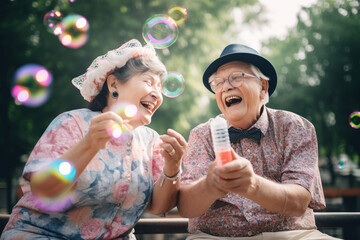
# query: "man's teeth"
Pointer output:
{"type": "Point", "coordinates": [232, 99]}
{"type": "Point", "coordinates": [228, 99]}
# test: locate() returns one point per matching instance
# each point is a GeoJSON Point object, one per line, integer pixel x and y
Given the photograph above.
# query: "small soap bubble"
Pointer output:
{"type": "Point", "coordinates": [63, 171]}
{"type": "Point", "coordinates": [74, 31]}
{"type": "Point", "coordinates": [173, 84]}
{"type": "Point", "coordinates": [58, 29]}
{"type": "Point", "coordinates": [126, 111]}
{"type": "Point", "coordinates": [51, 19]}
{"type": "Point", "coordinates": [31, 85]}
{"type": "Point", "coordinates": [160, 31]}
{"type": "Point", "coordinates": [115, 130]}
{"type": "Point", "coordinates": [354, 120]}
{"type": "Point", "coordinates": [341, 163]}
{"type": "Point", "coordinates": [178, 13]}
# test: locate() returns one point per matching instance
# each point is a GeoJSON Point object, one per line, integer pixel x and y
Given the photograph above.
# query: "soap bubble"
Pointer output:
{"type": "Point", "coordinates": [51, 19]}
{"type": "Point", "coordinates": [341, 163]}
{"type": "Point", "coordinates": [160, 31]}
{"type": "Point", "coordinates": [31, 85]}
{"type": "Point", "coordinates": [178, 14]}
{"type": "Point", "coordinates": [173, 84]}
{"type": "Point", "coordinates": [126, 111]}
{"type": "Point", "coordinates": [74, 33]}
{"type": "Point", "coordinates": [65, 172]}
{"type": "Point", "coordinates": [354, 120]}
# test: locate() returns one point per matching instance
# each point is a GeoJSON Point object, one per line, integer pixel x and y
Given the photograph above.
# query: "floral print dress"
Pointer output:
{"type": "Point", "coordinates": [109, 196]}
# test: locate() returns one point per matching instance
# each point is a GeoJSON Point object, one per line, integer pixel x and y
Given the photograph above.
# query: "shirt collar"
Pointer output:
{"type": "Point", "coordinates": [262, 123]}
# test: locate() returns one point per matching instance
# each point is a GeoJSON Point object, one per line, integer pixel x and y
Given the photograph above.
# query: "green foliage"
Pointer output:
{"type": "Point", "coordinates": [319, 71]}
{"type": "Point", "coordinates": [24, 39]}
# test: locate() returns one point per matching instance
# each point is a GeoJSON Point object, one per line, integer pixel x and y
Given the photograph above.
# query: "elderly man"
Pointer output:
{"type": "Point", "coordinates": [272, 185]}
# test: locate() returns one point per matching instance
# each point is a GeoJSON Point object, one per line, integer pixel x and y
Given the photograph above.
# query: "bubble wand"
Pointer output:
{"type": "Point", "coordinates": [220, 136]}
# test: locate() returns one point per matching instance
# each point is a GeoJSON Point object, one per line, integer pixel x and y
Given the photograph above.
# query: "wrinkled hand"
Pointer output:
{"type": "Point", "coordinates": [173, 147]}
{"type": "Point", "coordinates": [236, 176]}
{"type": "Point", "coordinates": [211, 181]}
{"type": "Point", "coordinates": [98, 134]}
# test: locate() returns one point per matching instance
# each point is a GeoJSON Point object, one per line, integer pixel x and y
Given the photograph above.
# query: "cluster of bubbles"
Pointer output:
{"type": "Point", "coordinates": [161, 31]}
{"type": "Point", "coordinates": [65, 172]}
{"type": "Point", "coordinates": [354, 120]}
{"type": "Point", "coordinates": [31, 85]}
{"type": "Point", "coordinates": [72, 30]}
{"type": "Point", "coordinates": [126, 111]}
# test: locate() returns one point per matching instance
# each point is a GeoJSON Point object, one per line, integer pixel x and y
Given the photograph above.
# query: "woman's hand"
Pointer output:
{"type": "Point", "coordinates": [100, 129]}
{"type": "Point", "coordinates": [173, 148]}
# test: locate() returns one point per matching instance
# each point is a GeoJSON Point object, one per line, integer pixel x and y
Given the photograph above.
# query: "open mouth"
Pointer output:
{"type": "Point", "coordinates": [232, 100]}
{"type": "Point", "coordinates": [148, 105]}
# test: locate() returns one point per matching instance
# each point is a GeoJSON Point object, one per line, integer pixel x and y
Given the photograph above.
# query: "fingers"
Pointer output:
{"type": "Point", "coordinates": [174, 144]}
{"type": "Point", "coordinates": [102, 127]}
{"type": "Point", "coordinates": [237, 176]}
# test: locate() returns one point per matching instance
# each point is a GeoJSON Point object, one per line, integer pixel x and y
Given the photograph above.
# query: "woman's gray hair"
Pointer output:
{"type": "Point", "coordinates": [133, 66]}
{"type": "Point", "coordinates": [140, 65]}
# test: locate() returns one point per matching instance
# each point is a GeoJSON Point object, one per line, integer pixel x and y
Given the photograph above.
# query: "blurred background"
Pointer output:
{"type": "Point", "coordinates": [314, 46]}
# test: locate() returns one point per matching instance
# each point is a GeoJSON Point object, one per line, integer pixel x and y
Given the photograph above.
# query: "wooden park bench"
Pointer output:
{"type": "Point", "coordinates": [168, 225]}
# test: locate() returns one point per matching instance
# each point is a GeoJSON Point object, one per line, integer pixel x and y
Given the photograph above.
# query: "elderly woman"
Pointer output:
{"type": "Point", "coordinates": [273, 184]}
{"type": "Point", "coordinates": [115, 176]}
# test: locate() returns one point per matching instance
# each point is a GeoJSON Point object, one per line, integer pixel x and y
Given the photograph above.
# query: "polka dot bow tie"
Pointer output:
{"type": "Point", "coordinates": [237, 134]}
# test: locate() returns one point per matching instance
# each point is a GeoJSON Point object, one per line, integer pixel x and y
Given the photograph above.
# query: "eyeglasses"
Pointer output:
{"type": "Point", "coordinates": [235, 79]}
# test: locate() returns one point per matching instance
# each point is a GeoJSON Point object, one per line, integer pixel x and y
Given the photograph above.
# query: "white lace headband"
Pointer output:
{"type": "Point", "coordinates": [91, 82]}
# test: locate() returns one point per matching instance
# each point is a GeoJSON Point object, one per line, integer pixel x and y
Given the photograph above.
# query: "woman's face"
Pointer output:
{"type": "Point", "coordinates": [144, 91]}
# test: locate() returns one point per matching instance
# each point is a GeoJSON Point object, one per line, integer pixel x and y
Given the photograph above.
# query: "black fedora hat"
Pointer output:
{"type": "Point", "coordinates": [239, 52]}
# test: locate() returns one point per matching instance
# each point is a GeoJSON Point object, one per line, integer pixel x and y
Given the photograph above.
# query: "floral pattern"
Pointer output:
{"type": "Point", "coordinates": [287, 153]}
{"type": "Point", "coordinates": [109, 196]}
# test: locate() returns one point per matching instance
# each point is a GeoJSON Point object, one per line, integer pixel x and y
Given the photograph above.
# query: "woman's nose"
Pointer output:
{"type": "Point", "coordinates": [156, 94]}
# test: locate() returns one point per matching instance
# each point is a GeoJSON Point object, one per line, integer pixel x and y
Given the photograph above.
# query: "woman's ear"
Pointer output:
{"type": "Point", "coordinates": [111, 82]}
{"type": "Point", "coordinates": [264, 88]}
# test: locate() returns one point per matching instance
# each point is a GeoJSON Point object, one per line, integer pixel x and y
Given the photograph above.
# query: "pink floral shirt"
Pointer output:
{"type": "Point", "coordinates": [287, 153]}
{"type": "Point", "coordinates": [109, 196]}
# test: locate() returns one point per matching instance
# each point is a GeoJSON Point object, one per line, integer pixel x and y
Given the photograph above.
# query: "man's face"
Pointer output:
{"type": "Point", "coordinates": [240, 105]}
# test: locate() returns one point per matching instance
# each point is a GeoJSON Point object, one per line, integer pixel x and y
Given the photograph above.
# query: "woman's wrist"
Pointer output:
{"type": "Point", "coordinates": [173, 178]}
{"type": "Point", "coordinates": [171, 171]}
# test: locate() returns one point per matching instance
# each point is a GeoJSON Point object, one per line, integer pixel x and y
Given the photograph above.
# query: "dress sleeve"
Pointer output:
{"type": "Point", "coordinates": [198, 154]}
{"type": "Point", "coordinates": [300, 164]}
{"type": "Point", "coordinates": [62, 133]}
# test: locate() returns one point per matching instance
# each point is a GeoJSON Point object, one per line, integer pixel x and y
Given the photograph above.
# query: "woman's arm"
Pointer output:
{"type": "Point", "coordinates": [79, 155]}
{"type": "Point", "coordinates": [165, 193]}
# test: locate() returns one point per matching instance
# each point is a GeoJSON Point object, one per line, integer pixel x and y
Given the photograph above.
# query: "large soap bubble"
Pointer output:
{"type": "Point", "coordinates": [160, 30]}
{"type": "Point", "coordinates": [31, 85]}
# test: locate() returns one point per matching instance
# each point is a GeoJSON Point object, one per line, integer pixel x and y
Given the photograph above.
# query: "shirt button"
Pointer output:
{"type": "Point", "coordinates": [248, 150]}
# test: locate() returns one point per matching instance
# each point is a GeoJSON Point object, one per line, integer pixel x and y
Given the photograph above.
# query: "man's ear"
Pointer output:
{"type": "Point", "coordinates": [264, 88]}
